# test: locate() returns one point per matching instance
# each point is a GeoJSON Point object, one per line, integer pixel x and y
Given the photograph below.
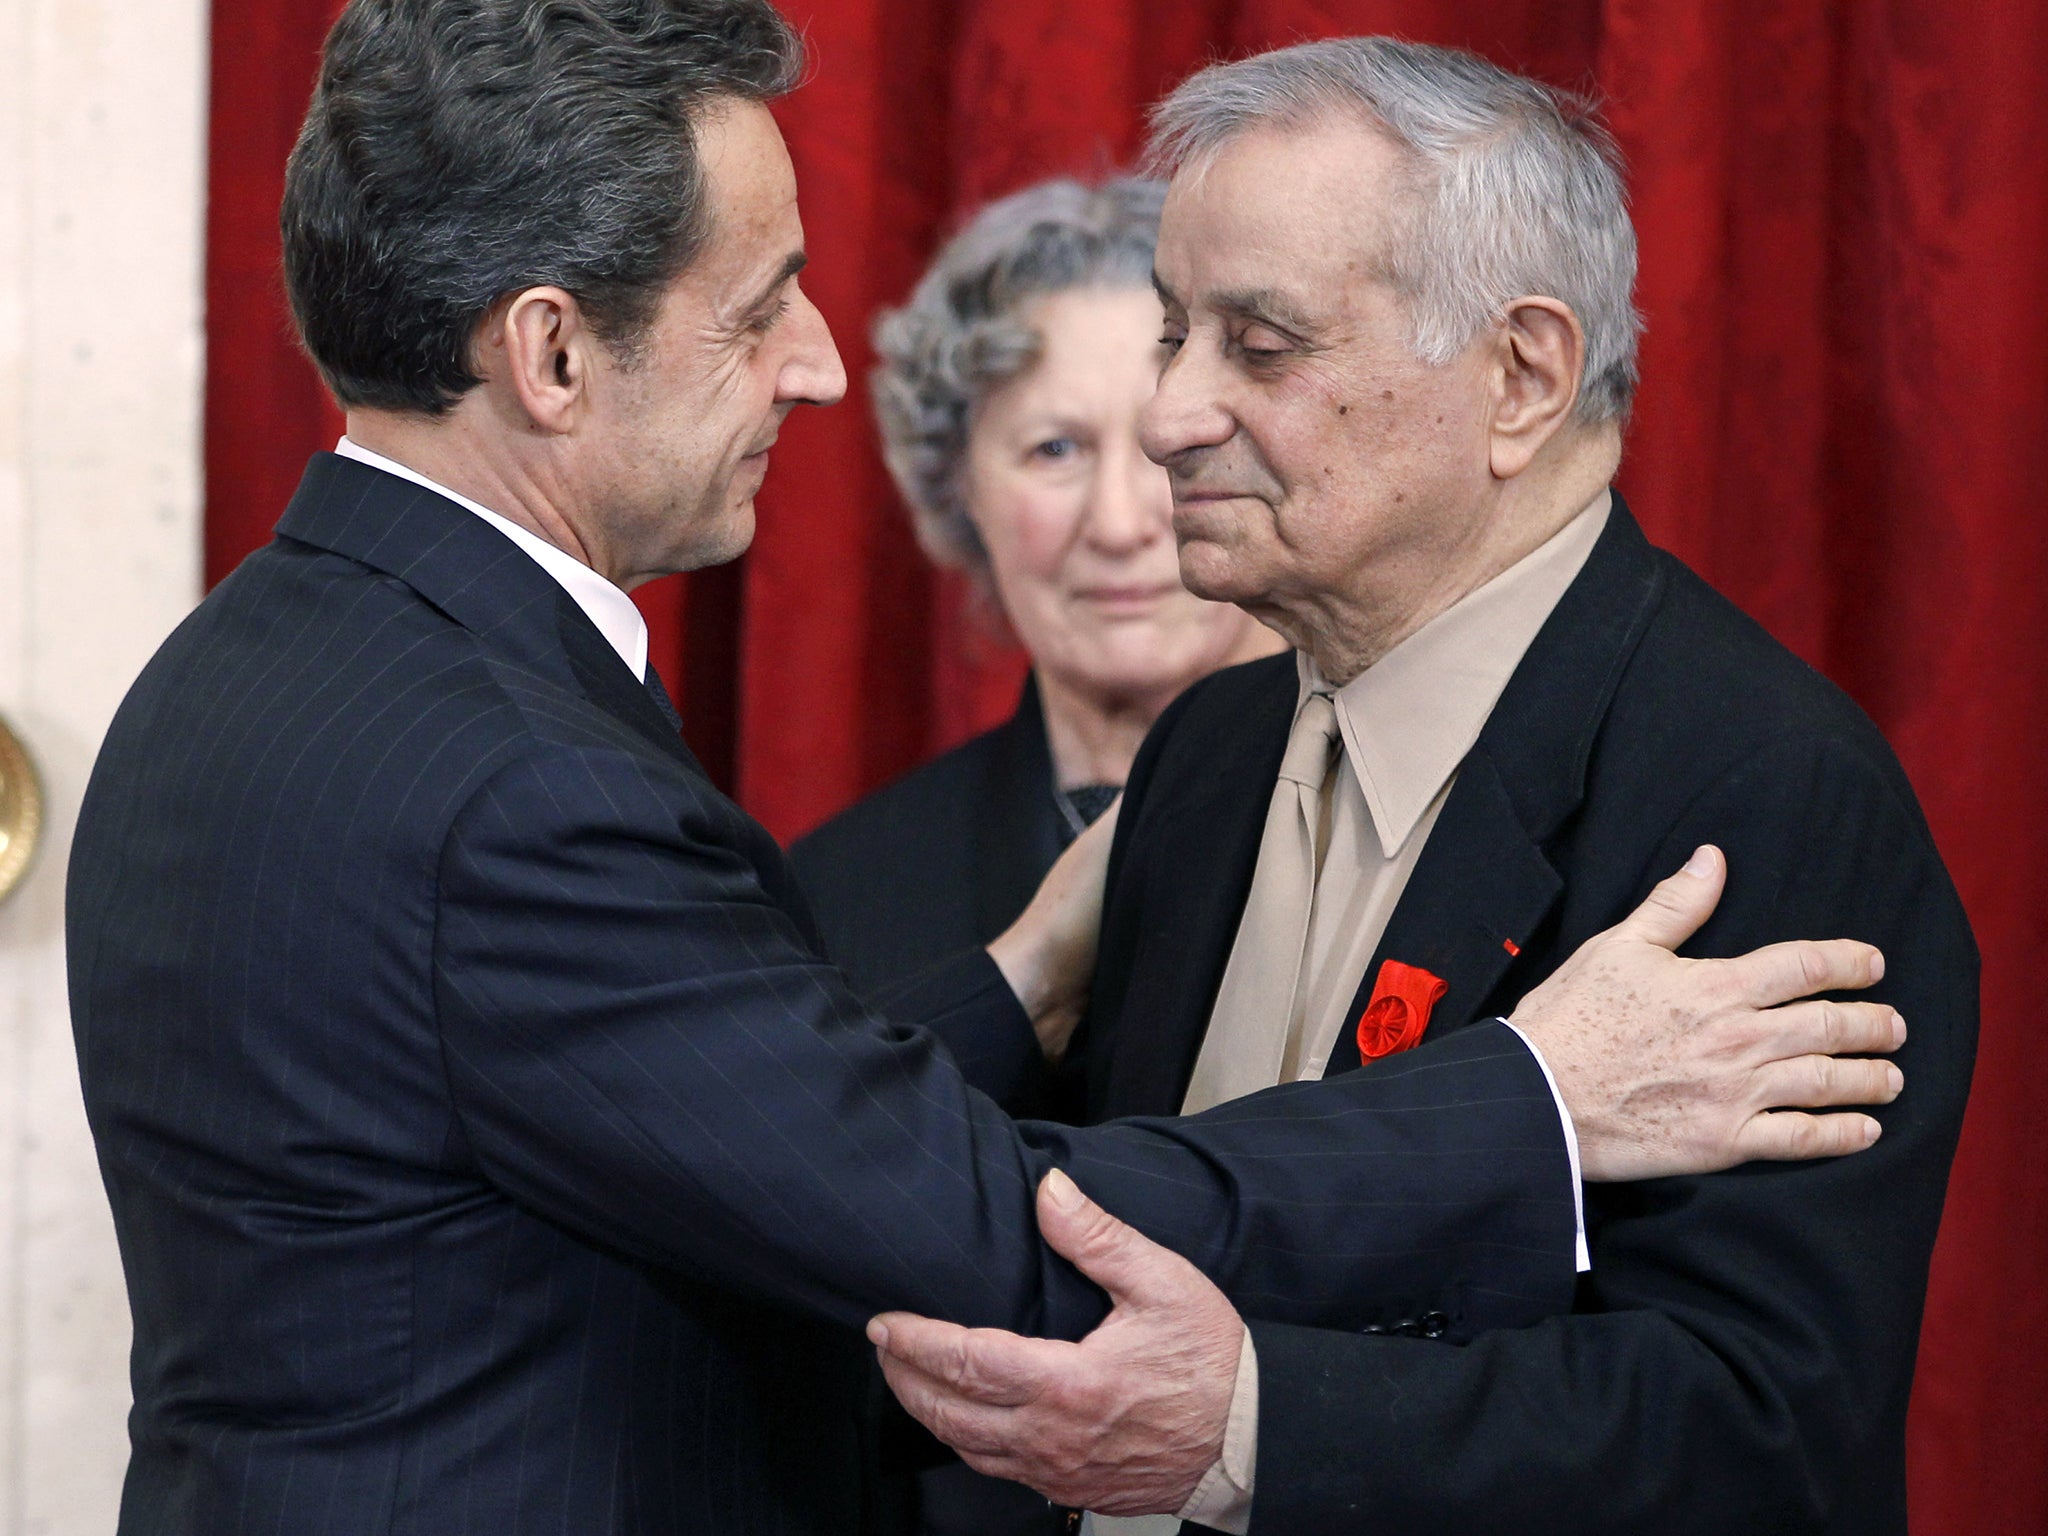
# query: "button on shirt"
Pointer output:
{"type": "Point", "coordinates": [1406, 724]}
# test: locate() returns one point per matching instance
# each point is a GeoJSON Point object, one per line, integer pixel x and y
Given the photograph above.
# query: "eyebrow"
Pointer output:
{"type": "Point", "coordinates": [1266, 304]}
{"type": "Point", "coordinates": [1259, 304]}
{"type": "Point", "coordinates": [792, 264]}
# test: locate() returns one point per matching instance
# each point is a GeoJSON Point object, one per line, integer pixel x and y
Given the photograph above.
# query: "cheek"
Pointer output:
{"type": "Point", "coordinates": [1027, 529]}
{"type": "Point", "coordinates": [717, 411]}
{"type": "Point", "coordinates": [1383, 444]}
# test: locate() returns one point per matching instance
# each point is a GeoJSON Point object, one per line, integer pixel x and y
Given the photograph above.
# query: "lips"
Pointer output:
{"type": "Point", "coordinates": [1134, 596]}
{"type": "Point", "coordinates": [1191, 514]}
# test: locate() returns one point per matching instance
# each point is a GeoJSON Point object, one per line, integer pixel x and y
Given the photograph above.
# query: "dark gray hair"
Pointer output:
{"type": "Point", "coordinates": [1517, 188]}
{"type": "Point", "coordinates": [962, 332]}
{"type": "Point", "coordinates": [457, 151]}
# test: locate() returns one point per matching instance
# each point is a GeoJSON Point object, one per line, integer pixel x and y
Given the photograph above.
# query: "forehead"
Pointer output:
{"type": "Point", "coordinates": [750, 190]}
{"type": "Point", "coordinates": [1081, 326]}
{"type": "Point", "coordinates": [1306, 208]}
{"type": "Point", "coordinates": [1092, 343]}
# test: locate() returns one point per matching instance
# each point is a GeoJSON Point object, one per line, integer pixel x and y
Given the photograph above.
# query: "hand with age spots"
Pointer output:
{"type": "Point", "coordinates": [1127, 1421]}
{"type": "Point", "coordinates": [1676, 1066]}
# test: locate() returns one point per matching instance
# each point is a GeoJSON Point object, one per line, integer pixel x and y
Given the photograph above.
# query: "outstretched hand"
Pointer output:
{"type": "Point", "coordinates": [1673, 1066]}
{"type": "Point", "coordinates": [1127, 1421]}
{"type": "Point", "coordinates": [1048, 954]}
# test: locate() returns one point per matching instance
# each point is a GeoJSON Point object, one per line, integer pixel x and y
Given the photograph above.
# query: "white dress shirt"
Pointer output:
{"type": "Point", "coordinates": [608, 606]}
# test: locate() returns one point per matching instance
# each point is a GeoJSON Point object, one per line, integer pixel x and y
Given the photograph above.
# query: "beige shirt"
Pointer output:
{"type": "Point", "coordinates": [1406, 723]}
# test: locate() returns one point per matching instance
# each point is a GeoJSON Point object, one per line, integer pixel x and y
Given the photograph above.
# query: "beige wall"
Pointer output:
{"type": "Point", "coordinates": [101, 195]}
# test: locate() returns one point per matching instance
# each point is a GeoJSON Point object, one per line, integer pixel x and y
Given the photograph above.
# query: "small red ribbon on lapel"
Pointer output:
{"type": "Point", "coordinates": [1402, 997]}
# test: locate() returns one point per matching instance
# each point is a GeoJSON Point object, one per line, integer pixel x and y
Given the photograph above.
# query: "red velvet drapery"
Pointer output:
{"type": "Point", "coordinates": [1844, 221]}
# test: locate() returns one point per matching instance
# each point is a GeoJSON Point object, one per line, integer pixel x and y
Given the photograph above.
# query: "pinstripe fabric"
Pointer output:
{"type": "Point", "coordinates": [491, 1152]}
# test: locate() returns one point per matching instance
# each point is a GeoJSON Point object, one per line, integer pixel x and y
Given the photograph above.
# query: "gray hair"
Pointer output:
{"type": "Point", "coordinates": [962, 333]}
{"type": "Point", "coordinates": [460, 150]}
{"type": "Point", "coordinates": [1517, 188]}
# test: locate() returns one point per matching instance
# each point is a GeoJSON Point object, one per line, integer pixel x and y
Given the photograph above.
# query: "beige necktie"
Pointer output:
{"type": "Point", "coordinates": [1259, 1005]}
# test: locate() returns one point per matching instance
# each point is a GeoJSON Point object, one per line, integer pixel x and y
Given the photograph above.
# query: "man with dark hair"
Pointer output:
{"type": "Point", "coordinates": [489, 1148]}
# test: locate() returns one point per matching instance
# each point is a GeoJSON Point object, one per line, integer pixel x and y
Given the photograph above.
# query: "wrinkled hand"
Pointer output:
{"type": "Point", "coordinates": [1048, 954]}
{"type": "Point", "coordinates": [1125, 1422]}
{"type": "Point", "coordinates": [1673, 1066]}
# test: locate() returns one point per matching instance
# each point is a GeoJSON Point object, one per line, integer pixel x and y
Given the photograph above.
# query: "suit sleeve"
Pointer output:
{"type": "Point", "coordinates": [641, 1047]}
{"type": "Point", "coordinates": [1741, 1352]}
{"type": "Point", "coordinates": [967, 1004]}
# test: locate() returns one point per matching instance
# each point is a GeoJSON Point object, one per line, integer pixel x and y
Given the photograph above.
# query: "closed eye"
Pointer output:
{"type": "Point", "coordinates": [763, 323]}
{"type": "Point", "coordinates": [1261, 344]}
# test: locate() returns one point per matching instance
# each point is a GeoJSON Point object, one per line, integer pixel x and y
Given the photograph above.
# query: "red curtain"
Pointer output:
{"type": "Point", "coordinates": [1844, 220]}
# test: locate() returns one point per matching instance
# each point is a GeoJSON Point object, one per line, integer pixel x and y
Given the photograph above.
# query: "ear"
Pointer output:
{"type": "Point", "coordinates": [539, 349]}
{"type": "Point", "coordinates": [1540, 353]}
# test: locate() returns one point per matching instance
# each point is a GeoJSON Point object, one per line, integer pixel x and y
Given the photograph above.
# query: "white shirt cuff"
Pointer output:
{"type": "Point", "coordinates": [1222, 1500]}
{"type": "Point", "coordinates": [1571, 1147]}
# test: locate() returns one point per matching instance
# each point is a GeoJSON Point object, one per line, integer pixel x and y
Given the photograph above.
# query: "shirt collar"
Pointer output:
{"type": "Point", "coordinates": [609, 608]}
{"type": "Point", "coordinates": [1409, 719]}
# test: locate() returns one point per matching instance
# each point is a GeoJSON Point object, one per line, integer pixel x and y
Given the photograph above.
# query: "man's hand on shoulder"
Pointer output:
{"type": "Point", "coordinates": [1675, 1066]}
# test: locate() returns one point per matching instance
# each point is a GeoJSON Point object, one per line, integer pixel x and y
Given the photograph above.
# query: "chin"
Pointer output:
{"type": "Point", "coordinates": [1208, 571]}
{"type": "Point", "coordinates": [722, 542]}
{"type": "Point", "coordinates": [1165, 664]}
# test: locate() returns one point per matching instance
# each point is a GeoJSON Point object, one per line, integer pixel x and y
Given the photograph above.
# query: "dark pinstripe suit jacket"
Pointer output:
{"type": "Point", "coordinates": [489, 1149]}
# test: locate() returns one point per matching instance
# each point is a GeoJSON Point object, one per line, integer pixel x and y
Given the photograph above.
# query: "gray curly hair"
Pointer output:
{"type": "Point", "coordinates": [1517, 188]}
{"type": "Point", "coordinates": [962, 333]}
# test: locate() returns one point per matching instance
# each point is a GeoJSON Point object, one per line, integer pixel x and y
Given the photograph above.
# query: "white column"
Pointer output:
{"type": "Point", "coordinates": [102, 137]}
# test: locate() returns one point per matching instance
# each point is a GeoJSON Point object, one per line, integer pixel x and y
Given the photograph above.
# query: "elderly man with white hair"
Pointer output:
{"type": "Point", "coordinates": [1397, 285]}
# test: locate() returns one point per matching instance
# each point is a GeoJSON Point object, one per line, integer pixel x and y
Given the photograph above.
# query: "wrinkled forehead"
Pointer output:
{"type": "Point", "coordinates": [1314, 204]}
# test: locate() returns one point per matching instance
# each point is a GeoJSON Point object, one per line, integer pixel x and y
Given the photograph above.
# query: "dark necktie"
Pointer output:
{"type": "Point", "coordinates": [658, 691]}
{"type": "Point", "coordinates": [1079, 808]}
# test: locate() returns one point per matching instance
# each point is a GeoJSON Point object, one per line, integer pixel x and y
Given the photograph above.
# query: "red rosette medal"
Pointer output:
{"type": "Point", "coordinates": [1394, 1020]}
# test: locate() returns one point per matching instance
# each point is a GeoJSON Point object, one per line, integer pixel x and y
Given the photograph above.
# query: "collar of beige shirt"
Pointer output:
{"type": "Point", "coordinates": [1409, 719]}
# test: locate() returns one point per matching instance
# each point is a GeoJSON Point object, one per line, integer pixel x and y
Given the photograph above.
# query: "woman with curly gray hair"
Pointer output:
{"type": "Point", "coordinates": [1008, 391]}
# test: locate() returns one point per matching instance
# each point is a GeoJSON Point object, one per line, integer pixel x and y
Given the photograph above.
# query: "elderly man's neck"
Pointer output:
{"type": "Point", "coordinates": [455, 450]}
{"type": "Point", "coordinates": [1347, 631]}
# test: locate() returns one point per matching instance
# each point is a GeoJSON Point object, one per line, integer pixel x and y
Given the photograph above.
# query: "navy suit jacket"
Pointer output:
{"type": "Point", "coordinates": [489, 1148]}
{"type": "Point", "coordinates": [1740, 1356]}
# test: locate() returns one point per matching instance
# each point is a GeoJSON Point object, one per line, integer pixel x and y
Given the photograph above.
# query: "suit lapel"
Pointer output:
{"type": "Point", "coordinates": [475, 575]}
{"type": "Point", "coordinates": [609, 683]}
{"type": "Point", "coordinates": [1485, 883]}
{"type": "Point", "coordinates": [1190, 924]}
{"type": "Point", "coordinates": [1480, 885]}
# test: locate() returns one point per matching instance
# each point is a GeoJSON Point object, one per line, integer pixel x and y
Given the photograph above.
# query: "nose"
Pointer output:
{"type": "Point", "coordinates": [1130, 503]}
{"type": "Point", "coordinates": [1186, 413]}
{"type": "Point", "coordinates": [812, 374]}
